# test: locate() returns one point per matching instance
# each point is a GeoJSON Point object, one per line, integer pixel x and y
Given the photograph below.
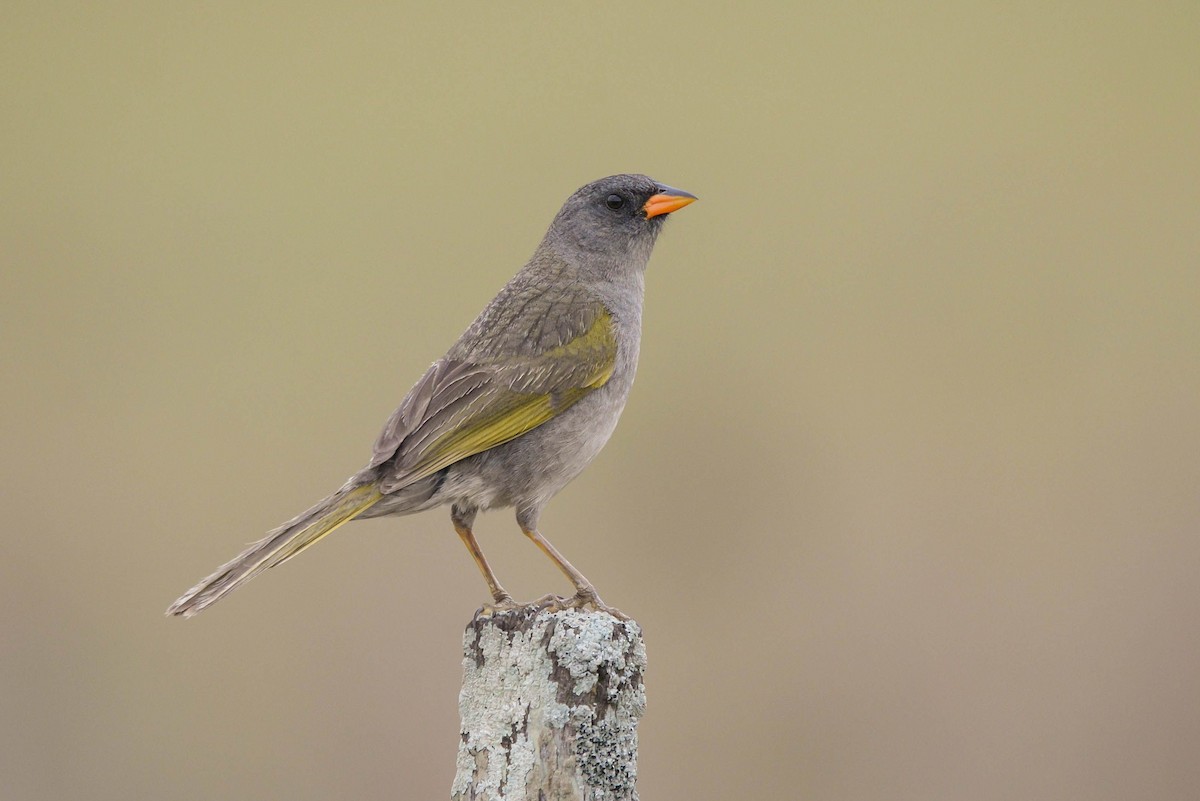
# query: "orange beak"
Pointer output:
{"type": "Point", "coordinates": [666, 201]}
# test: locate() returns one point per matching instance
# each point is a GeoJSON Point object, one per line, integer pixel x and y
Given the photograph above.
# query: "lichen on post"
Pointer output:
{"type": "Point", "coordinates": [550, 704]}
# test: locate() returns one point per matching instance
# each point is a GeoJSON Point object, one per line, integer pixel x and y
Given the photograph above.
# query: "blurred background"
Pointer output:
{"type": "Point", "coordinates": [906, 494]}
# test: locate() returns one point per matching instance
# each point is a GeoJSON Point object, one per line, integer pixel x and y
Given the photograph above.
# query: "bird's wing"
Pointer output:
{"type": "Point", "coordinates": [463, 407]}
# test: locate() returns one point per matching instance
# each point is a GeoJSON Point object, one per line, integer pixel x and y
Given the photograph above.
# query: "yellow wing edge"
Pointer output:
{"type": "Point", "coordinates": [529, 410]}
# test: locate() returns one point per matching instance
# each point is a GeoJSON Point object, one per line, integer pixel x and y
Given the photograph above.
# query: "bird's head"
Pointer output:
{"type": "Point", "coordinates": [616, 218]}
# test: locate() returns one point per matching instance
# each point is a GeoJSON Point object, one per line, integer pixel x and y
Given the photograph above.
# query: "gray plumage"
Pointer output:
{"type": "Point", "coordinates": [519, 405]}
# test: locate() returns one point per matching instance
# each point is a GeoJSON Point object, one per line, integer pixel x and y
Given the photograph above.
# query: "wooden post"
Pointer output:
{"type": "Point", "coordinates": [550, 704]}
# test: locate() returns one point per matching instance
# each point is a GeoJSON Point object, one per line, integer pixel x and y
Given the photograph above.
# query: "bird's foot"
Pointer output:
{"type": "Point", "coordinates": [585, 598]}
{"type": "Point", "coordinates": [548, 603]}
{"type": "Point", "coordinates": [501, 603]}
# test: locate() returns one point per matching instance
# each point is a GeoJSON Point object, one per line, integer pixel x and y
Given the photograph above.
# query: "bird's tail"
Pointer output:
{"type": "Point", "coordinates": [280, 545]}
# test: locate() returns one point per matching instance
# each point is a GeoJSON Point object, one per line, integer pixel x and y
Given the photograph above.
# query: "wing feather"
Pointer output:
{"type": "Point", "coordinates": [460, 407]}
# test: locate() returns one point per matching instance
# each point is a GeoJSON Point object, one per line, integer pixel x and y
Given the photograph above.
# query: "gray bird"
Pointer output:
{"type": "Point", "coordinates": [520, 404]}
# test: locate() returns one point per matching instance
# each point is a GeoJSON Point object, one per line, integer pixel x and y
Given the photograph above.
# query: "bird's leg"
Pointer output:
{"type": "Point", "coordinates": [585, 592]}
{"type": "Point", "coordinates": [463, 519]}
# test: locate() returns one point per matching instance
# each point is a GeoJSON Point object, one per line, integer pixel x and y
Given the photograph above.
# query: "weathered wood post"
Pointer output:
{"type": "Point", "coordinates": [550, 704]}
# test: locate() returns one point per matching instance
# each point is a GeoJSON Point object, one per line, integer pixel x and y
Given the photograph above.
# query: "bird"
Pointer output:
{"type": "Point", "coordinates": [516, 408]}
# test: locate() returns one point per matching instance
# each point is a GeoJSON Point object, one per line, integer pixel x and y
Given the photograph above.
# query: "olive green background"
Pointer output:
{"type": "Point", "coordinates": [906, 496]}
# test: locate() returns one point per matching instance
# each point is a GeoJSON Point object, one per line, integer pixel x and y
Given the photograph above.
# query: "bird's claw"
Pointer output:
{"type": "Point", "coordinates": [583, 599]}
{"type": "Point", "coordinates": [549, 603]}
{"type": "Point", "coordinates": [499, 605]}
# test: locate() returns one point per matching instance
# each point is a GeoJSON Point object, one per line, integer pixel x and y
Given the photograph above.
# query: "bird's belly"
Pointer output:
{"type": "Point", "coordinates": [531, 469]}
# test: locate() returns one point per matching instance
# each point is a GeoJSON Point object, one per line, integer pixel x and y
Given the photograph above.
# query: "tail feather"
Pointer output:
{"type": "Point", "coordinates": [279, 546]}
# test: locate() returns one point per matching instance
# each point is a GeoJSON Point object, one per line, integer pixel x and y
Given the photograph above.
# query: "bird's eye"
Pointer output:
{"type": "Point", "coordinates": [614, 202]}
